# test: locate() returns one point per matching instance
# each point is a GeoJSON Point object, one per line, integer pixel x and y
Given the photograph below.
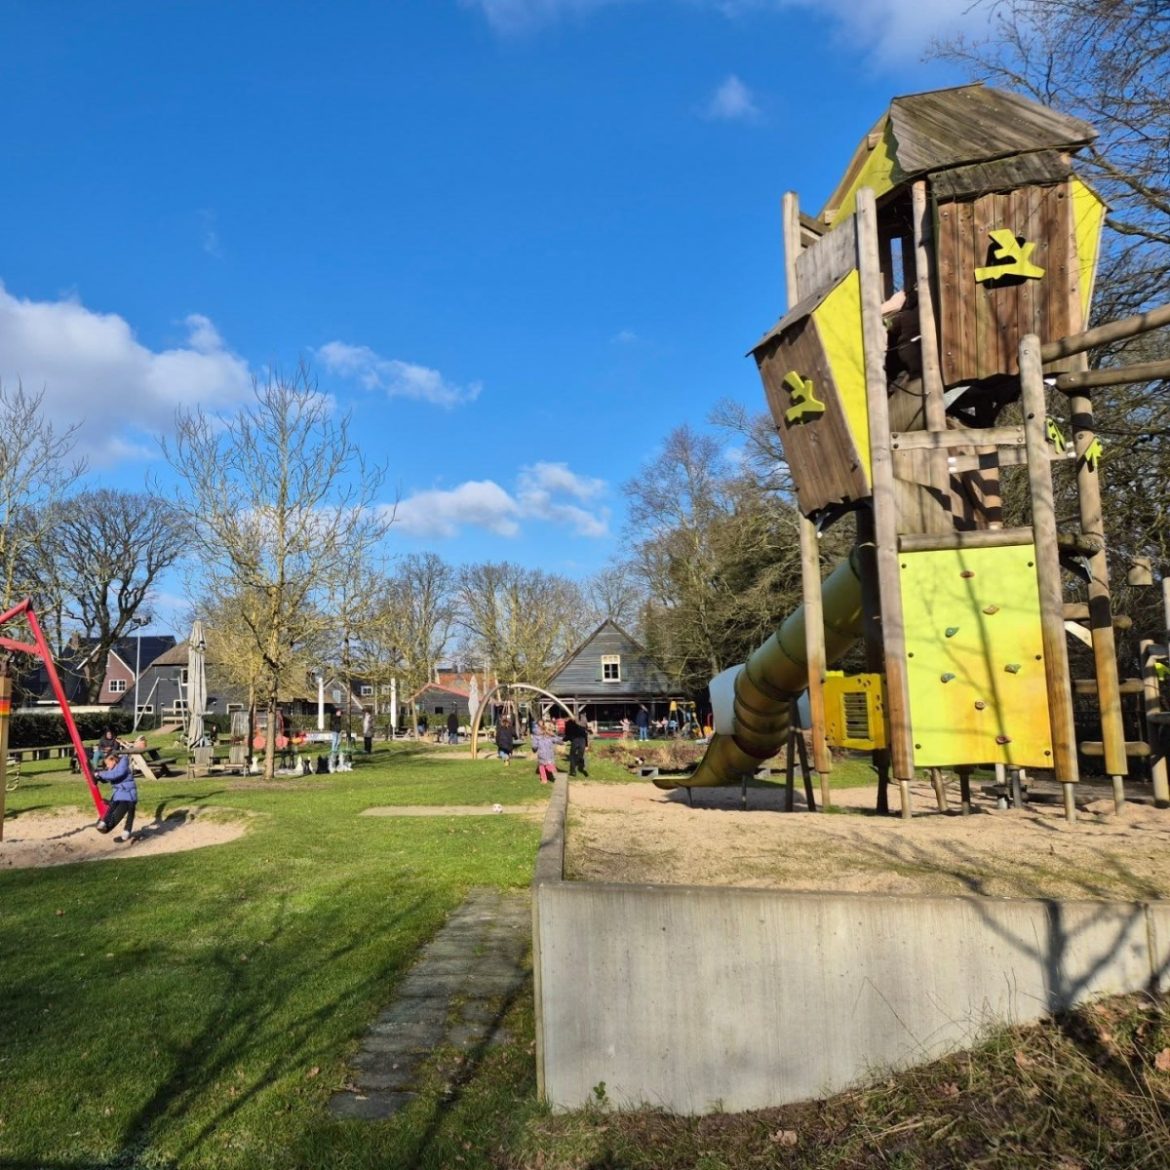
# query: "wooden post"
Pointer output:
{"type": "Point", "coordinates": [884, 506]}
{"type": "Point", "coordinates": [5, 716]}
{"type": "Point", "coordinates": [932, 383]}
{"type": "Point", "coordinates": [940, 792]}
{"type": "Point", "coordinates": [964, 771]}
{"type": "Point", "coordinates": [790, 762]}
{"type": "Point", "coordinates": [1056, 669]}
{"type": "Point", "coordinates": [1152, 694]}
{"type": "Point", "coordinates": [872, 628]}
{"type": "Point", "coordinates": [810, 558]}
{"type": "Point", "coordinates": [1100, 607]}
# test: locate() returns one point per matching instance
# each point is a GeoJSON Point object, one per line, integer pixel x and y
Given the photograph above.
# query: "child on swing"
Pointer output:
{"type": "Point", "coordinates": [123, 800]}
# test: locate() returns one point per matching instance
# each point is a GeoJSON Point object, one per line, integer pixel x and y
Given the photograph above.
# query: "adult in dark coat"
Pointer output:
{"type": "Point", "coordinates": [577, 735]}
{"type": "Point", "coordinates": [452, 728]}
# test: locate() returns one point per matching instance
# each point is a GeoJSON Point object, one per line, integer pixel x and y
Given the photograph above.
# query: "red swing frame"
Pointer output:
{"type": "Point", "coordinates": [40, 648]}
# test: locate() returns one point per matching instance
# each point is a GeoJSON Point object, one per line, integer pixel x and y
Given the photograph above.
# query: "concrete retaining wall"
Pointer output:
{"type": "Point", "coordinates": [698, 998]}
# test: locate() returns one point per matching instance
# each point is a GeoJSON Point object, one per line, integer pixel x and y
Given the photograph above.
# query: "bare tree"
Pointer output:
{"type": "Point", "coordinates": [37, 469]}
{"type": "Point", "coordinates": [280, 508]}
{"type": "Point", "coordinates": [109, 549]}
{"type": "Point", "coordinates": [521, 622]}
{"type": "Point", "coordinates": [718, 552]}
{"type": "Point", "coordinates": [419, 613]}
{"type": "Point", "coordinates": [1108, 62]}
{"type": "Point", "coordinates": [617, 593]}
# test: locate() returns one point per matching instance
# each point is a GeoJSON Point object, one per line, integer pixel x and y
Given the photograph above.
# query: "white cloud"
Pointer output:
{"type": "Point", "coordinates": [732, 102]}
{"type": "Point", "coordinates": [896, 31]}
{"type": "Point", "coordinates": [891, 32]}
{"type": "Point", "coordinates": [556, 477]}
{"type": "Point", "coordinates": [625, 337]}
{"type": "Point", "coordinates": [475, 504]}
{"type": "Point", "coordinates": [209, 241]}
{"type": "Point", "coordinates": [539, 497]}
{"type": "Point", "coordinates": [517, 16]}
{"type": "Point", "coordinates": [94, 371]}
{"type": "Point", "coordinates": [397, 379]}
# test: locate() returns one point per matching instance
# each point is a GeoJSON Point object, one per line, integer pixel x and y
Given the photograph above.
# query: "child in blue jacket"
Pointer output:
{"type": "Point", "coordinates": [123, 800]}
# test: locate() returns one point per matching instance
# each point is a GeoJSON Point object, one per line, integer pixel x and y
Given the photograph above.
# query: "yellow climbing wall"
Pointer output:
{"type": "Point", "coordinates": [974, 657]}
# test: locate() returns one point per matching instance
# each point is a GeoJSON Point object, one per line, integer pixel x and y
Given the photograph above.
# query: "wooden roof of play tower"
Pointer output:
{"type": "Point", "coordinates": [981, 139]}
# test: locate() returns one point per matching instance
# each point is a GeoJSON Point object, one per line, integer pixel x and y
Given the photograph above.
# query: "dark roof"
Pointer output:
{"type": "Point", "coordinates": [177, 655]}
{"type": "Point", "coordinates": [977, 123]}
{"type": "Point", "coordinates": [152, 645]}
{"type": "Point", "coordinates": [967, 124]}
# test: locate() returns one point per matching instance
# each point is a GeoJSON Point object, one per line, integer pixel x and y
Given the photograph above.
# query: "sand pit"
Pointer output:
{"type": "Point", "coordinates": [63, 836]}
{"type": "Point", "coordinates": [634, 833]}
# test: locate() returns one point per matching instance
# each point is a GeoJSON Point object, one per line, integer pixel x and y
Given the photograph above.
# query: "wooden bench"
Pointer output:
{"type": "Point", "coordinates": [59, 751]}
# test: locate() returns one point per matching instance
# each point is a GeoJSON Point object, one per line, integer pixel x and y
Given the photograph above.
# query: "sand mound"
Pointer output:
{"type": "Point", "coordinates": [67, 835]}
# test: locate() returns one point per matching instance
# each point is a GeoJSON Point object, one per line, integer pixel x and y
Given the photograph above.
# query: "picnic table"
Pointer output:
{"type": "Point", "coordinates": [150, 763]}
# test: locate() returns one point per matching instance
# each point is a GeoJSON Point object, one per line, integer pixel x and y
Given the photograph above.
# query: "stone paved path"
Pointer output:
{"type": "Point", "coordinates": [456, 994]}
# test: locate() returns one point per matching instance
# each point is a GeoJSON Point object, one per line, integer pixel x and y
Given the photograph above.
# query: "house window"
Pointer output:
{"type": "Point", "coordinates": [438, 710]}
{"type": "Point", "coordinates": [611, 668]}
{"type": "Point", "coordinates": [367, 691]}
{"type": "Point", "coordinates": [183, 676]}
{"type": "Point", "coordinates": [117, 686]}
{"type": "Point", "coordinates": [145, 708]}
{"type": "Point", "coordinates": [385, 688]}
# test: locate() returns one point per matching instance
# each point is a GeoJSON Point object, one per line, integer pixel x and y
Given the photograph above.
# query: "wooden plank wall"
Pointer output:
{"type": "Point", "coordinates": [821, 265]}
{"type": "Point", "coordinates": [982, 323]}
{"type": "Point", "coordinates": [825, 462]}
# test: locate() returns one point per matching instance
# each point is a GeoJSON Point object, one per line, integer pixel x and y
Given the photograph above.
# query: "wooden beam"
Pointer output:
{"type": "Point", "coordinates": [1113, 375]}
{"type": "Point", "coordinates": [1103, 334]}
{"type": "Point", "coordinates": [942, 440]}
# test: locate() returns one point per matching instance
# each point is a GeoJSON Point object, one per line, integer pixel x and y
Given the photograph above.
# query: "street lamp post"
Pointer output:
{"type": "Point", "coordinates": [138, 624]}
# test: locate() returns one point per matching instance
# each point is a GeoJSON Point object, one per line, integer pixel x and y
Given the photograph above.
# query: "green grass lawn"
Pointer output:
{"type": "Point", "coordinates": [197, 1009]}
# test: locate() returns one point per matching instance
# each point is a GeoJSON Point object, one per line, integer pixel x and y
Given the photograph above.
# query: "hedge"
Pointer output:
{"type": "Point", "coordinates": [48, 729]}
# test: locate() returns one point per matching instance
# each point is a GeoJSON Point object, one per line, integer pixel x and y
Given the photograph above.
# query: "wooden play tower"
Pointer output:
{"type": "Point", "coordinates": [934, 346]}
{"type": "Point", "coordinates": [950, 276]}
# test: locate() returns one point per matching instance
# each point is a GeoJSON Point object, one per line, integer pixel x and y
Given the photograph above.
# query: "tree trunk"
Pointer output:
{"type": "Point", "coordinates": [270, 738]}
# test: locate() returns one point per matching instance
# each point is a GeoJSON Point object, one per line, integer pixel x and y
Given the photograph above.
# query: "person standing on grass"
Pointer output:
{"type": "Point", "coordinates": [123, 800]}
{"type": "Point", "coordinates": [335, 731]}
{"type": "Point", "coordinates": [505, 742]}
{"type": "Point", "coordinates": [642, 719]}
{"type": "Point", "coordinates": [452, 728]}
{"type": "Point", "coordinates": [368, 730]}
{"type": "Point", "coordinates": [577, 735]}
{"type": "Point", "coordinates": [108, 743]}
{"type": "Point", "coordinates": [545, 746]}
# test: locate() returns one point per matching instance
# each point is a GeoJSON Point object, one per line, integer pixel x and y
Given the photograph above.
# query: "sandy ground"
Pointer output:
{"type": "Point", "coordinates": [68, 835]}
{"type": "Point", "coordinates": [638, 833]}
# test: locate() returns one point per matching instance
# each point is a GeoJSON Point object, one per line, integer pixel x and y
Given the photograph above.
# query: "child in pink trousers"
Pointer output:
{"type": "Point", "coordinates": [545, 747]}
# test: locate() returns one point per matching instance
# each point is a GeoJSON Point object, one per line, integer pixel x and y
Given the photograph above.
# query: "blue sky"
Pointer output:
{"type": "Point", "coordinates": [520, 240]}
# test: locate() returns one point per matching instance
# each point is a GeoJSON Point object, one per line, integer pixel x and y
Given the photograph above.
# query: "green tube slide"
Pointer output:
{"type": "Point", "coordinates": [768, 682]}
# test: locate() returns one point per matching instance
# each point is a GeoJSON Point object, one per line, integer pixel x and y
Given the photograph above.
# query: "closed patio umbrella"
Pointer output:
{"type": "Point", "coordinates": [196, 684]}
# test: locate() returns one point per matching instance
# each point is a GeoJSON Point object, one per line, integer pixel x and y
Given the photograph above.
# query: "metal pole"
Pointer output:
{"type": "Point", "coordinates": [137, 672]}
{"type": "Point", "coordinates": [5, 714]}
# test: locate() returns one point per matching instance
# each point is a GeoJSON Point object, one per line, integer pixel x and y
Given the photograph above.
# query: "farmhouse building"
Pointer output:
{"type": "Point", "coordinates": [609, 676]}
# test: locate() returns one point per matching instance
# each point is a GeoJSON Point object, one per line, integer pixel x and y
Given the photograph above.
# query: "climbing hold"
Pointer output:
{"type": "Point", "coordinates": [979, 704]}
{"type": "Point", "coordinates": [966, 573]}
{"type": "Point", "coordinates": [1002, 739]}
{"type": "Point", "coordinates": [1012, 668]}
{"type": "Point", "coordinates": [990, 609]}
{"type": "Point", "coordinates": [951, 631]}
{"type": "Point", "coordinates": [946, 677]}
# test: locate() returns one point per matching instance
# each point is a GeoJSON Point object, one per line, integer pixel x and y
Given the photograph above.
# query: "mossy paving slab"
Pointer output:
{"type": "Point", "coordinates": [481, 951]}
